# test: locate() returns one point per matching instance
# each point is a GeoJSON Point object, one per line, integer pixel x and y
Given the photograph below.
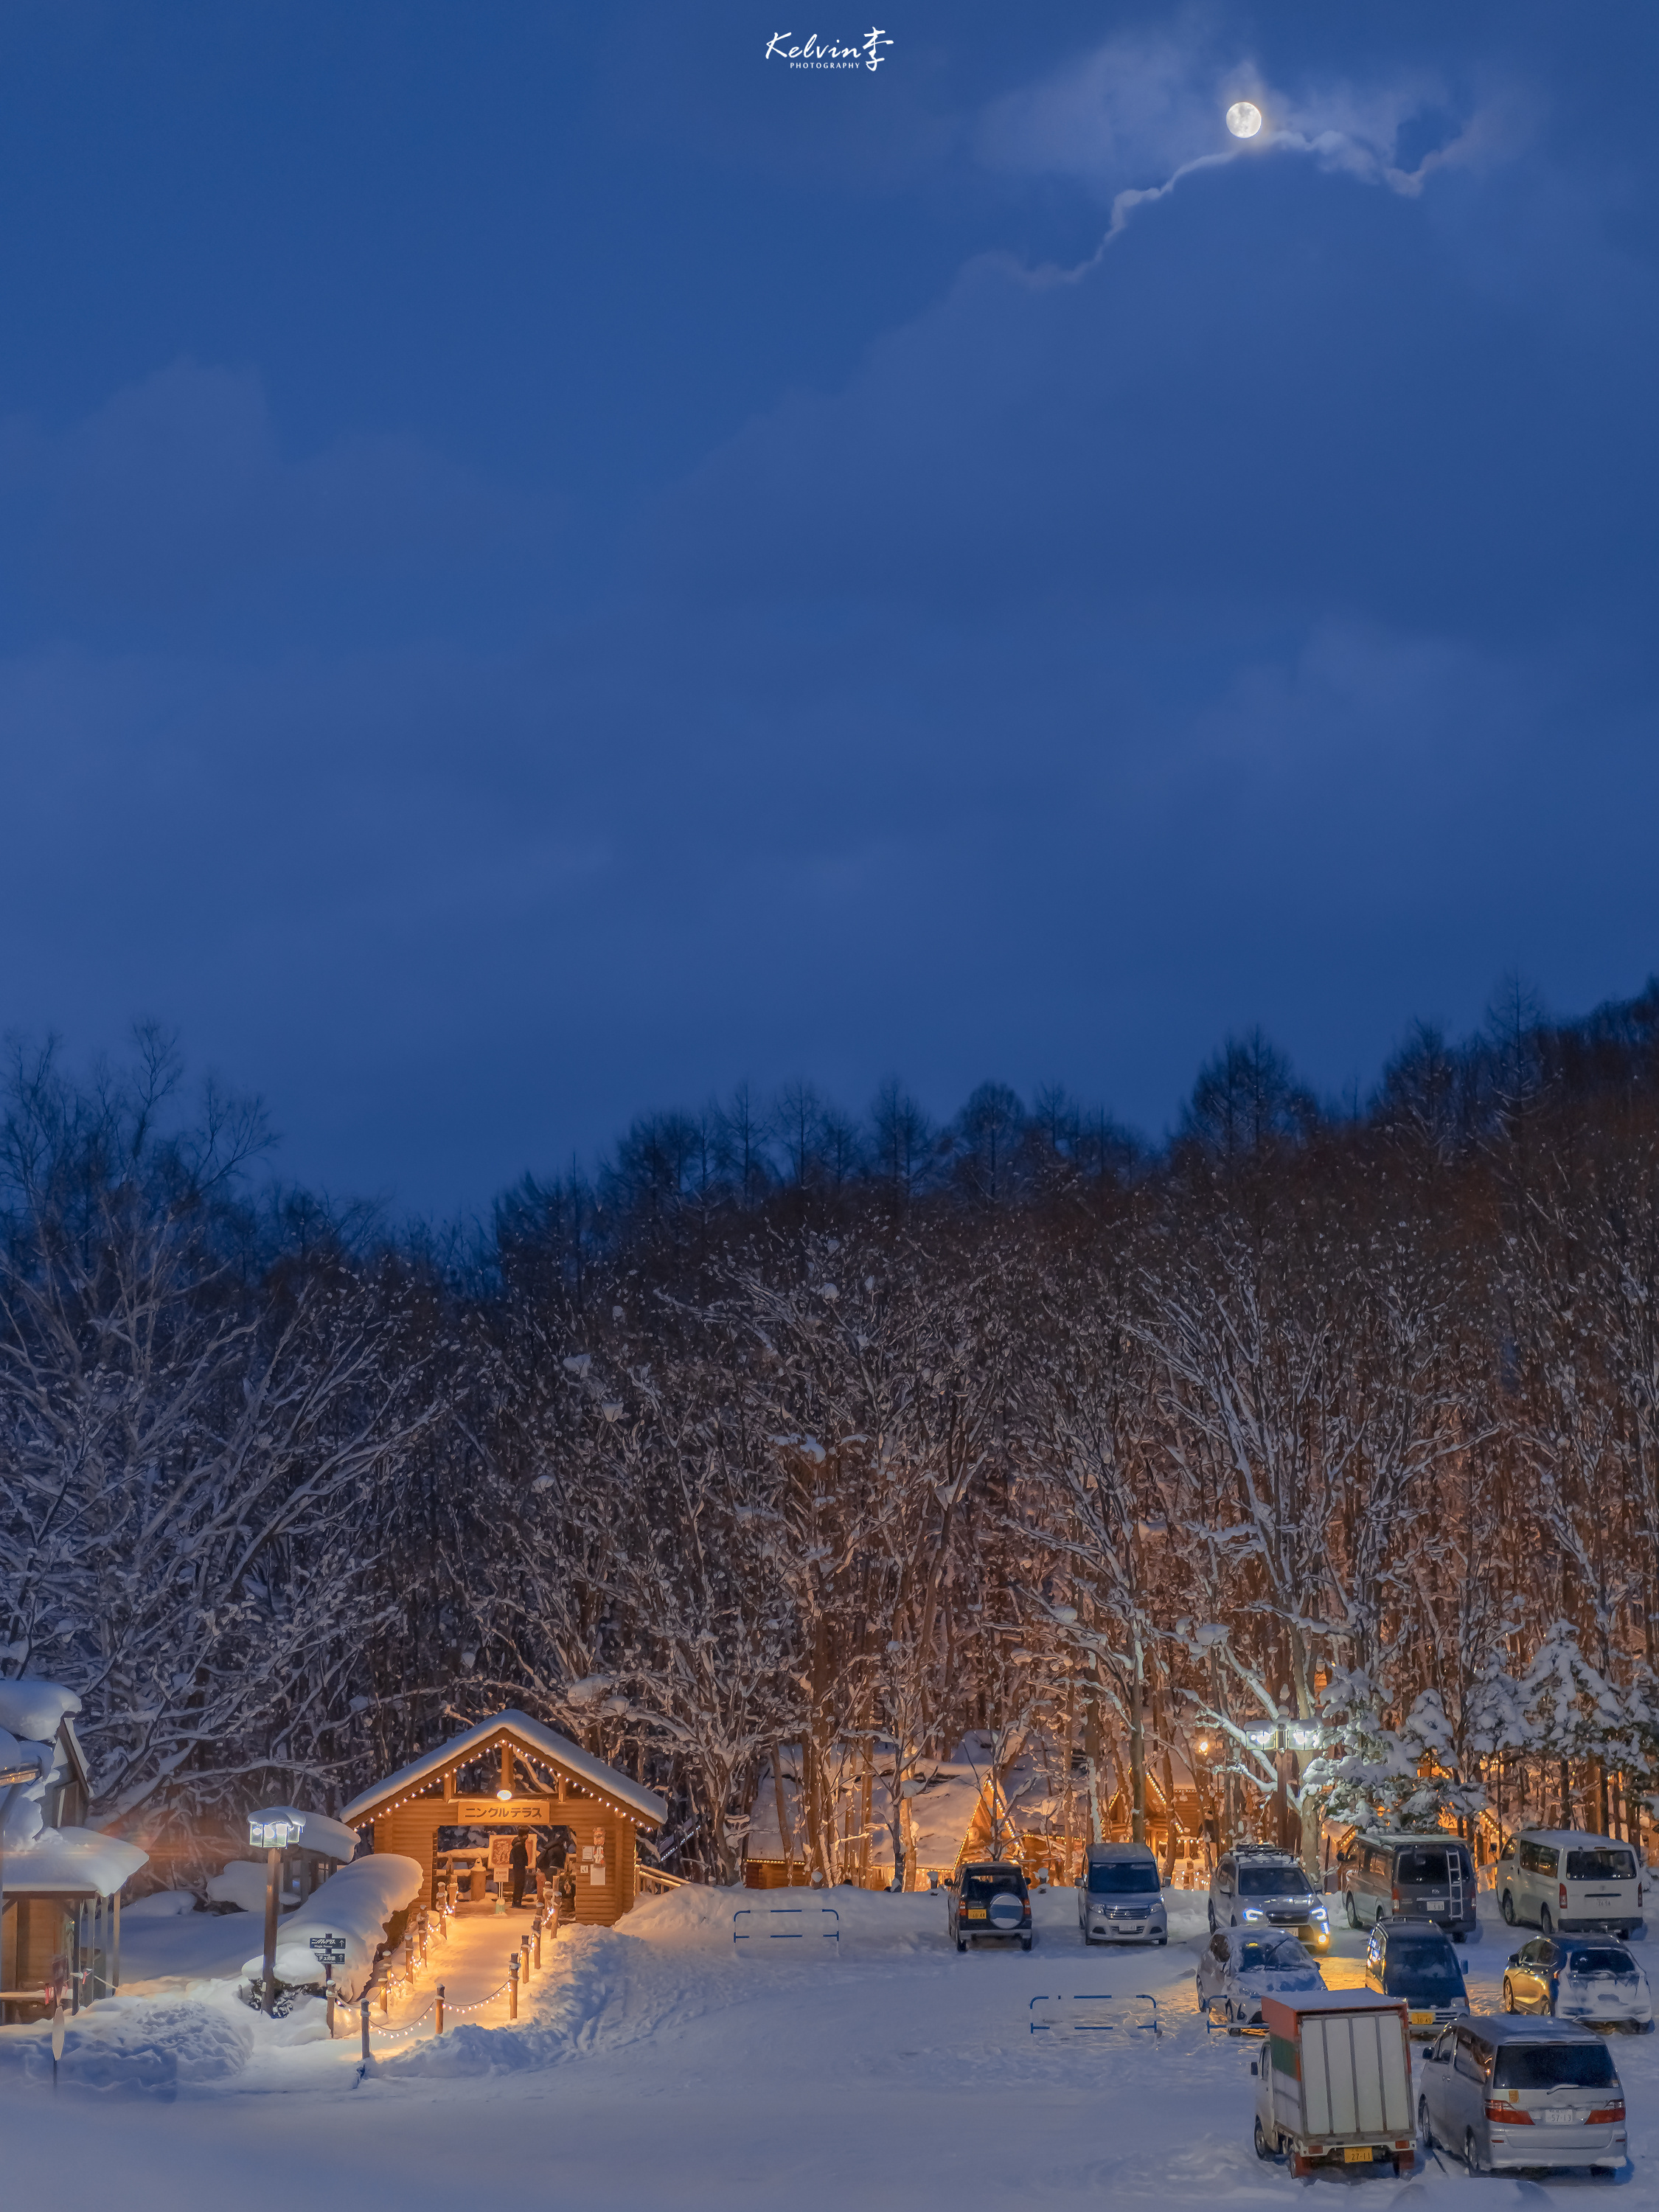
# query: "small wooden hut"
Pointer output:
{"type": "Point", "coordinates": [60, 1893]}
{"type": "Point", "coordinates": [546, 1781]}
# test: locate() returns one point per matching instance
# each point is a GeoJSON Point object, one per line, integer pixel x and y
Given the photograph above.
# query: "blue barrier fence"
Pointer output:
{"type": "Point", "coordinates": [1084, 2013]}
{"type": "Point", "coordinates": [799, 1932]}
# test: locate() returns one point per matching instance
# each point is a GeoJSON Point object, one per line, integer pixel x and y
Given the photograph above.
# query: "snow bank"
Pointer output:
{"type": "Point", "coordinates": [74, 1858]}
{"type": "Point", "coordinates": [355, 1903]}
{"type": "Point", "coordinates": [134, 2046]}
{"type": "Point", "coordinates": [159, 1904]}
{"type": "Point", "coordinates": [869, 1919]}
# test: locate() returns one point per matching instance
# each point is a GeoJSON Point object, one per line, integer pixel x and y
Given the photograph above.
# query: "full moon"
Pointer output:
{"type": "Point", "coordinates": [1243, 119]}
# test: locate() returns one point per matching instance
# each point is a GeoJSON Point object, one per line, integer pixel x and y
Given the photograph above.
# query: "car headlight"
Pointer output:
{"type": "Point", "coordinates": [1250, 1913]}
{"type": "Point", "coordinates": [1320, 1913]}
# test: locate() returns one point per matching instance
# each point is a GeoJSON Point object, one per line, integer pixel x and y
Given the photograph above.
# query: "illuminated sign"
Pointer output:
{"type": "Point", "coordinates": [491, 1813]}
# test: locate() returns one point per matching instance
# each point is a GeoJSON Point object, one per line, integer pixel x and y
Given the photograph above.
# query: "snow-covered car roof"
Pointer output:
{"type": "Point", "coordinates": [1299, 1972]}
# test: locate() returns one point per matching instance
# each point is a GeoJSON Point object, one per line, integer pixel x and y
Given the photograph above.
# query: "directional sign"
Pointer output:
{"type": "Point", "coordinates": [330, 1948]}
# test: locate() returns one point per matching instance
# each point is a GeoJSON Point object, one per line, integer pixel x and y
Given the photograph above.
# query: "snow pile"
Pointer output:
{"type": "Point", "coordinates": [355, 1903]}
{"type": "Point", "coordinates": [134, 2046]}
{"type": "Point", "coordinates": [159, 1904]}
{"type": "Point", "coordinates": [242, 1883]}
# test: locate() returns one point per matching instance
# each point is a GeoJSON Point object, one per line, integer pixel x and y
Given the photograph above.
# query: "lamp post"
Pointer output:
{"type": "Point", "coordinates": [273, 1830]}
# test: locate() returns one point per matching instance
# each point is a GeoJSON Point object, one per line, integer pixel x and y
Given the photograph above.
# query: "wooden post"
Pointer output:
{"type": "Point", "coordinates": [536, 1937]}
{"type": "Point", "coordinates": [115, 1971]}
{"type": "Point", "coordinates": [506, 1766]}
{"type": "Point", "coordinates": [273, 1891]}
{"type": "Point", "coordinates": [439, 2008]}
{"type": "Point", "coordinates": [365, 2014]}
{"type": "Point", "coordinates": [524, 1948]}
{"type": "Point", "coordinates": [513, 1987]}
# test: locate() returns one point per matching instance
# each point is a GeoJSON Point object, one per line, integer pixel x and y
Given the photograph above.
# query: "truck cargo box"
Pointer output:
{"type": "Point", "coordinates": [1333, 2085]}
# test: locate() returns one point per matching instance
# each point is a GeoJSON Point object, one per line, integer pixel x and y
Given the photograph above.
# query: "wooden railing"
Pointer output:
{"type": "Point", "coordinates": [653, 1881]}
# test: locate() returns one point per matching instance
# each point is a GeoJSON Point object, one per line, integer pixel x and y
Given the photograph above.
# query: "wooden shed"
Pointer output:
{"type": "Point", "coordinates": [544, 1781]}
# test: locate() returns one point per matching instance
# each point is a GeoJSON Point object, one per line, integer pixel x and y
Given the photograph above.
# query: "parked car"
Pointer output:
{"type": "Point", "coordinates": [1238, 1967]}
{"type": "Point", "coordinates": [1120, 1899]}
{"type": "Point", "coordinates": [1332, 2087]}
{"type": "Point", "coordinates": [991, 1897]}
{"type": "Point", "coordinates": [1255, 1885]}
{"type": "Point", "coordinates": [1566, 1881]}
{"type": "Point", "coordinates": [1429, 1876]}
{"type": "Point", "coordinates": [1579, 1978]}
{"type": "Point", "coordinates": [1414, 1959]}
{"type": "Point", "coordinates": [1513, 2092]}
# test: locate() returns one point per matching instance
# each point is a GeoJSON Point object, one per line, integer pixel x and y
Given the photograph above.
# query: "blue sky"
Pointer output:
{"type": "Point", "coordinates": [551, 563]}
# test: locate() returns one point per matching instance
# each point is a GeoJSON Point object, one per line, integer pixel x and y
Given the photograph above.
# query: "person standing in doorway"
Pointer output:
{"type": "Point", "coordinates": [518, 1860]}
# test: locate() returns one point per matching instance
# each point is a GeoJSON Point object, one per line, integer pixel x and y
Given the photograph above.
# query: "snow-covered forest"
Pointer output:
{"type": "Point", "coordinates": [793, 1428]}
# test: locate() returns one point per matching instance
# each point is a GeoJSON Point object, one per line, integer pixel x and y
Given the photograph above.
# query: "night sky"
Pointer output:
{"type": "Point", "coordinates": [552, 563]}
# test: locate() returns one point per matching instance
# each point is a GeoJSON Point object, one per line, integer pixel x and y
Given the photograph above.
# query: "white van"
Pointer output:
{"type": "Point", "coordinates": [1568, 1882]}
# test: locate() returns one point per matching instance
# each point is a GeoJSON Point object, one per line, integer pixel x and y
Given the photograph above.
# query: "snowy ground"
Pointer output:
{"type": "Point", "coordinates": [662, 2065]}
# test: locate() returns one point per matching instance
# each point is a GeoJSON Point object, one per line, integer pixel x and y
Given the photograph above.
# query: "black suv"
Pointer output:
{"type": "Point", "coordinates": [991, 1897]}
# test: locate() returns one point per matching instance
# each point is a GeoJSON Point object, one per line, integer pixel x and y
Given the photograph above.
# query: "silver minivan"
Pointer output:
{"type": "Point", "coordinates": [1120, 1899]}
{"type": "Point", "coordinates": [1567, 1881]}
{"type": "Point", "coordinates": [1513, 2092]}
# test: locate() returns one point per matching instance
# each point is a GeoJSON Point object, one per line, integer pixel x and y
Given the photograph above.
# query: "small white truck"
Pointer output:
{"type": "Point", "coordinates": [1333, 2085]}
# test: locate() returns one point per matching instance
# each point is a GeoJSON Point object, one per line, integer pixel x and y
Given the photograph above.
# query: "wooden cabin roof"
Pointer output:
{"type": "Point", "coordinates": [643, 1806]}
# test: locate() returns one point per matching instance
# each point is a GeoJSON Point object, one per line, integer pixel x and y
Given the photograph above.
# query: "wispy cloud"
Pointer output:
{"type": "Point", "coordinates": [1133, 117]}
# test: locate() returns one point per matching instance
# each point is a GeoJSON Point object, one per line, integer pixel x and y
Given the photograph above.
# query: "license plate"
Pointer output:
{"type": "Point", "coordinates": [1358, 2157]}
{"type": "Point", "coordinates": [1554, 2118]}
{"type": "Point", "coordinates": [974, 1912]}
{"type": "Point", "coordinates": [1422, 2020]}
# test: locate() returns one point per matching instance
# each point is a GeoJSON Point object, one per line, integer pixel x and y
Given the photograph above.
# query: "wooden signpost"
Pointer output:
{"type": "Point", "coordinates": [332, 1950]}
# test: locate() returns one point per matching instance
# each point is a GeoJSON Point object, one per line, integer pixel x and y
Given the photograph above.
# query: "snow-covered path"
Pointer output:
{"type": "Point", "coordinates": [666, 2064]}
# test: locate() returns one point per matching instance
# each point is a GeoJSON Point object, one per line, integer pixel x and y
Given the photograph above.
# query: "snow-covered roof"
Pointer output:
{"type": "Point", "coordinates": [77, 1861]}
{"type": "Point", "coordinates": [33, 1709]}
{"type": "Point", "coordinates": [629, 1797]}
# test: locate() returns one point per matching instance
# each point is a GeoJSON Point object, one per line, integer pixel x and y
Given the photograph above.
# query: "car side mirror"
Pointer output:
{"type": "Point", "coordinates": [1255, 2068]}
{"type": "Point", "coordinates": [1514, 1958]}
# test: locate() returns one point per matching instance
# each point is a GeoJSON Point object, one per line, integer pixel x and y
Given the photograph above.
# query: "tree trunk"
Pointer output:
{"type": "Point", "coordinates": [785, 1826]}
{"type": "Point", "coordinates": [1137, 1752]}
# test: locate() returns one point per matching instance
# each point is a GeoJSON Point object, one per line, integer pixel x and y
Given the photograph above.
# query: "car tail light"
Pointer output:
{"type": "Point", "coordinates": [1562, 1887]}
{"type": "Point", "coordinates": [1604, 2115]}
{"type": "Point", "coordinates": [1511, 2115]}
{"type": "Point", "coordinates": [1396, 1901]}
